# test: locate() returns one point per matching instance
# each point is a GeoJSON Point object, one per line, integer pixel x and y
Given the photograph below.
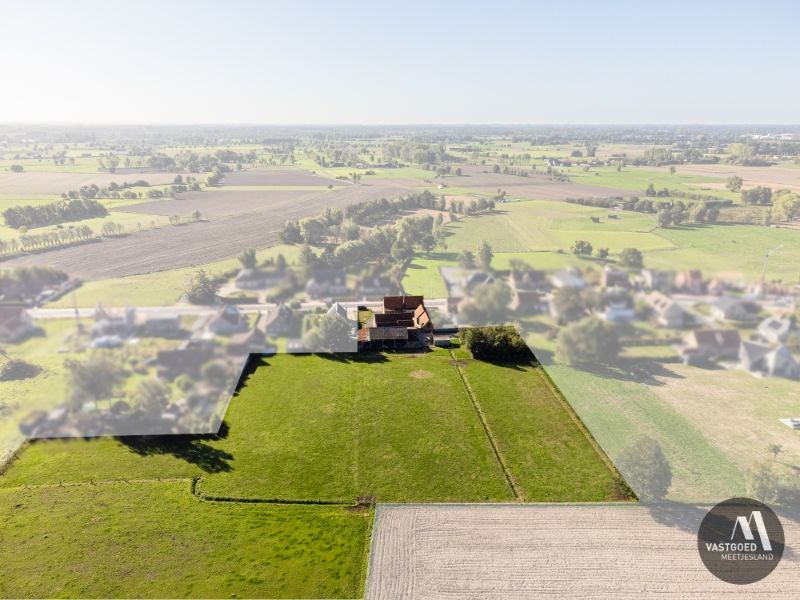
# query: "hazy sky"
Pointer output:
{"type": "Point", "coordinates": [399, 62]}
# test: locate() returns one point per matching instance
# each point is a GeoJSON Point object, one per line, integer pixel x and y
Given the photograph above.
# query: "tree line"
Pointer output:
{"type": "Point", "coordinates": [62, 211]}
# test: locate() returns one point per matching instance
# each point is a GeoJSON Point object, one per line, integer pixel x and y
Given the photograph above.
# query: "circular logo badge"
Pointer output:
{"type": "Point", "coordinates": [740, 540]}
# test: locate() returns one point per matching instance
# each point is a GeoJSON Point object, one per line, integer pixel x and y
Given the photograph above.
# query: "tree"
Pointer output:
{"type": "Point", "coordinates": [664, 217]}
{"type": "Point", "coordinates": [734, 183]}
{"type": "Point", "coordinates": [332, 334]}
{"type": "Point", "coordinates": [291, 233]}
{"type": "Point", "coordinates": [645, 466]}
{"type": "Point", "coordinates": [93, 379]}
{"type": "Point", "coordinates": [488, 305]}
{"type": "Point", "coordinates": [495, 343]}
{"type": "Point", "coordinates": [785, 206]}
{"type": "Point", "coordinates": [587, 342]}
{"type": "Point", "coordinates": [248, 258]}
{"type": "Point", "coordinates": [17, 168]}
{"type": "Point", "coordinates": [672, 169]}
{"type": "Point", "coordinates": [570, 305]}
{"type": "Point", "coordinates": [582, 248]}
{"type": "Point", "coordinates": [758, 196]}
{"type": "Point", "coordinates": [201, 289]}
{"type": "Point", "coordinates": [152, 396]}
{"type": "Point", "coordinates": [485, 255]}
{"type": "Point", "coordinates": [601, 253]}
{"type": "Point", "coordinates": [631, 258]}
{"type": "Point", "coordinates": [466, 259]}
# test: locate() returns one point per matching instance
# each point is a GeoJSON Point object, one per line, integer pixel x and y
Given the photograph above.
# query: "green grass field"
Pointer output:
{"type": "Point", "coordinates": [156, 540]}
{"type": "Point", "coordinates": [399, 427]}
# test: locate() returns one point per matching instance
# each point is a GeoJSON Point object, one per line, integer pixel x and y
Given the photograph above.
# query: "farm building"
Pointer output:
{"type": "Point", "coordinates": [403, 324]}
{"type": "Point", "coordinates": [775, 330]}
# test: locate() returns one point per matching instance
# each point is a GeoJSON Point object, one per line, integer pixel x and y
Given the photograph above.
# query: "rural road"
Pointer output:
{"type": "Point", "coordinates": [526, 552]}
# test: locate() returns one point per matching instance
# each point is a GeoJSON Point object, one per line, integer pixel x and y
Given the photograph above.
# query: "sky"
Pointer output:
{"type": "Point", "coordinates": [305, 62]}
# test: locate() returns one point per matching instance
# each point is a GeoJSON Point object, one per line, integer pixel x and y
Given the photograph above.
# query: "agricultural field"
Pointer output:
{"type": "Point", "coordinates": [50, 182]}
{"type": "Point", "coordinates": [397, 427]}
{"type": "Point", "coordinates": [573, 551]}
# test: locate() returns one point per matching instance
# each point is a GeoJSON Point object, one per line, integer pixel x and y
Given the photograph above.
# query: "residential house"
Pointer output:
{"type": "Point", "coordinates": [656, 280]}
{"type": "Point", "coordinates": [690, 282]}
{"type": "Point", "coordinates": [730, 308]}
{"type": "Point", "coordinates": [373, 287]}
{"type": "Point", "coordinates": [253, 341]}
{"type": "Point", "coordinates": [710, 344]}
{"type": "Point", "coordinates": [166, 324]}
{"type": "Point", "coordinates": [15, 323]}
{"type": "Point", "coordinates": [227, 321]}
{"type": "Point", "coordinates": [526, 291]}
{"type": "Point", "coordinates": [259, 279]}
{"type": "Point", "coordinates": [568, 278]}
{"type": "Point", "coordinates": [618, 309]}
{"type": "Point", "coordinates": [764, 360]}
{"type": "Point", "coordinates": [281, 321]}
{"type": "Point", "coordinates": [669, 313]}
{"type": "Point", "coordinates": [775, 330]}
{"type": "Point", "coordinates": [328, 283]}
{"type": "Point", "coordinates": [615, 278]}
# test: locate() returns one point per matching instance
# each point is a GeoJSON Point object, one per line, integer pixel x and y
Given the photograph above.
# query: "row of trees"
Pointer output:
{"type": "Point", "coordinates": [53, 213]}
{"type": "Point", "coordinates": [51, 239]}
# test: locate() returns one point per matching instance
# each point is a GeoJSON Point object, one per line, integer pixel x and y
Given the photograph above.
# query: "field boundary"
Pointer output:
{"type": "Point", "coordinates": [624, 487]}
{"type": "Point", "coordinates": [512, 484]}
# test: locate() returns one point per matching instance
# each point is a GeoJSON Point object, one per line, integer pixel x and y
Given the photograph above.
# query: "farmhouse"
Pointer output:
{"type": "Point", "coordinates": [15, 323]}
{"type": "Point", "coordinates": [403, 324]}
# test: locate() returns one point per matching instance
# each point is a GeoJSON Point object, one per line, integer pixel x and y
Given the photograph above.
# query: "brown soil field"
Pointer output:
{"type": "Point", "coordinates": [534, 187]}
{"type": "Point", "coordinates": [57, 183]}
{"type": "Point", "coordinates": [248, 221]}
{"type": "Point", "coordinates": [549, 551]}
{"type": "Point", "coordinates": [279, 177]}
{"type": "Point", "coordinates": [774, 177]}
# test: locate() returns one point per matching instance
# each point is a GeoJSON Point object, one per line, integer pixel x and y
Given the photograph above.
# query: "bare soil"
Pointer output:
{"type": "Point", "coordinates": [550, 551]}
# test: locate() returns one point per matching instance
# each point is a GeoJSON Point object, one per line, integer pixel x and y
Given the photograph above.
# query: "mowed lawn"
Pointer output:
{"type": "Point", "coordinates": [156, 540]}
